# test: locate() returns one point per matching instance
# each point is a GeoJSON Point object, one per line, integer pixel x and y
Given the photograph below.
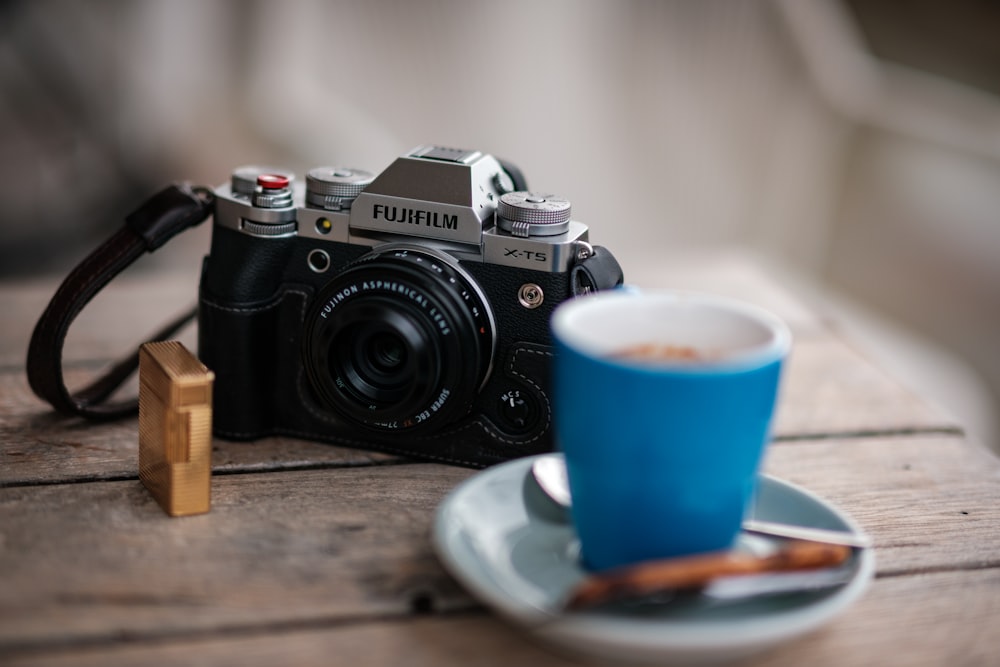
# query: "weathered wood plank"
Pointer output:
{"type": "Point", "coordinates": [905, 621]}
{"type": "Point", "coordinates": [934, 619]}
{"type": "Point", "coordinates": [97, 559]}
{"type": "Point", "coordinates": [929, 502]}
{"type": "Point", "coordinates": [87, 562]}
{"type": "Point", "coordinates": [828, 390]}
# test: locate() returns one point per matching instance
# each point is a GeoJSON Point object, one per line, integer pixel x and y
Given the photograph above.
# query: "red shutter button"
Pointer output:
{"type": "Point", "coordinates": [272, 181]}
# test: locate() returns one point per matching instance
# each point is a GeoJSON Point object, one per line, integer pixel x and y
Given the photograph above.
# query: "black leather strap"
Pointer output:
{"type": "Point", "coordinates": [167, 213]}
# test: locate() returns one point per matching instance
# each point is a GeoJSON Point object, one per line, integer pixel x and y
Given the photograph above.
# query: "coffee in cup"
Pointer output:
{"type": "Point", "coordinates": [663, 404]}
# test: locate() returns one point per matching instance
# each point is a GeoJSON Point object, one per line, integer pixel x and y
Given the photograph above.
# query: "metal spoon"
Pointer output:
{"type": "Point", "coordinates": [550, 474]}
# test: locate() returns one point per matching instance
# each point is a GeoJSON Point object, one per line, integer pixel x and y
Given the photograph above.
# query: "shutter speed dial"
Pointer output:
{"type": "Point", "coordinates": [335, 188]}
{"type": "Point", "coordinates": [526, 214]}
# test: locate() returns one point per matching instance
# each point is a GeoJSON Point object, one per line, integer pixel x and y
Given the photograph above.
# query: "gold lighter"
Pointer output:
{"type": "Point", "coordinates": [175, 427]}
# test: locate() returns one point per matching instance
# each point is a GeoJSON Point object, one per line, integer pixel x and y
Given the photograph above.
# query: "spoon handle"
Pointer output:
{"type": "Point", "coordinates": [694, 572]}
{"type": "Point", "coordinates": [773, 529]}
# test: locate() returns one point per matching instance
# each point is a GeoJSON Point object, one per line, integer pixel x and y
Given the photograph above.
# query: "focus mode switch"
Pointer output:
{"type": "Point", "coordinates": [518, 410]}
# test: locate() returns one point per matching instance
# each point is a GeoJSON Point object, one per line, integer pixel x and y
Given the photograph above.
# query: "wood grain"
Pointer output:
{"type": "Point", "coordinates": [929, 502]}
{"type": "Point", "coordinates": [828, 388]}
{"type": "Point", "coordinates": [340, 544]}
{"type": "Point", "coordinates": [104, 559]}
{"type": "Point", "coordinates": [904, 622]}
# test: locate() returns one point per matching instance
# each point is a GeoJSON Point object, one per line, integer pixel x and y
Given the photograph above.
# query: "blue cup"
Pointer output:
{"type": "Point", "coordinates": [663, 404]}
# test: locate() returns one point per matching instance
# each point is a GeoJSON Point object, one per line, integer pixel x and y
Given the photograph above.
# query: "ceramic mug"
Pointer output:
{"type": "Point", "coordinates": [663, 404]}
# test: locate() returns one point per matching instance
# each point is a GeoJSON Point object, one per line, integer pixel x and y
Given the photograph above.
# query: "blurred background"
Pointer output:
{"type": "Point", "coordinates": [853, 145]}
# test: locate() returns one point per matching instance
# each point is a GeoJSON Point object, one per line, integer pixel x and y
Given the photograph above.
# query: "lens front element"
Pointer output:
{"type": "Point", "coordinates": [379, 359]}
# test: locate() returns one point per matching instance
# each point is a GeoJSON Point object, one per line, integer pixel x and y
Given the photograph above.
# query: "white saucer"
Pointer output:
{"type": "Point", "coordinates": [514, 549]}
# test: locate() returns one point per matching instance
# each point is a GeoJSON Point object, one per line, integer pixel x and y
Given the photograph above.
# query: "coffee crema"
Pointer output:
{"type": "Point", "coordinates": [663, 352]}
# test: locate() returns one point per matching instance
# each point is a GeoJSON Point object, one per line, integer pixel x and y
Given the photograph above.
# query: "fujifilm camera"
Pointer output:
{"type": "Point", "coordinates": [406, 312]}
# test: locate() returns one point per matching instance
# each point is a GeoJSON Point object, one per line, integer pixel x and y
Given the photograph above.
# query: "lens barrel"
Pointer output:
{"type": "Point", "coordinates": [402, 339]}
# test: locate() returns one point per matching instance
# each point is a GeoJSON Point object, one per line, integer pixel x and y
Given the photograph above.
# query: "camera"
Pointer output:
{"type": "Point", "coordinates": [405, 312]}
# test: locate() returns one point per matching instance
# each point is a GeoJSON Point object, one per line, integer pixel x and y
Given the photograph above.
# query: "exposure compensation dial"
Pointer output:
{"type": "Point", "coordinates": [526, 214]}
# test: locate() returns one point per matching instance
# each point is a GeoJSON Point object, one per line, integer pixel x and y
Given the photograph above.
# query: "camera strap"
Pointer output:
{"type": "Point", "coordinates": [164, 215]}
{"type": "Point", "coordinates": [598, 271]}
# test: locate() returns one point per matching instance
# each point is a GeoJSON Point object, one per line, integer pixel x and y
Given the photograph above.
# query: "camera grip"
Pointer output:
{"type": "Point", "coordinates": [237, 341]}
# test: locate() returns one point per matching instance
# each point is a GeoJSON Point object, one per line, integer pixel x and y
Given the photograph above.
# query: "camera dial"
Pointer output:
{"type": "Point", "coordinates": [402, 339]}
{"type": "Point", "coordinates": [335, 188]}
{"type": "Point", "coordinates": [533, 214]}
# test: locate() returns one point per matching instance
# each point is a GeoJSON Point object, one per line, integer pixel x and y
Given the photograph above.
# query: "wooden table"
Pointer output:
{"type": "Point", "coordinates": [314, 554]}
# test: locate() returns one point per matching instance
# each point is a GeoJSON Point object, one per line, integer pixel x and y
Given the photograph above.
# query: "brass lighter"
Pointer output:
{"type": "Point", "coordinates": [175, 427]}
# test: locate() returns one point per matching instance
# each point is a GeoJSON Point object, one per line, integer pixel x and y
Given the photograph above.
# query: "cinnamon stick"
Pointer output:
{"type": "Point", "coordinates": [694, 572]}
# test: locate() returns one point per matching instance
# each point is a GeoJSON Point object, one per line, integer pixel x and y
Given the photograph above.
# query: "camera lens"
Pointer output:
{"type": "Point", "coordinates": [401, 339]}
{"type": "Point", "coordinates": [377, 359]}
{"type": "Point", "coordinates": [385, 353]}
